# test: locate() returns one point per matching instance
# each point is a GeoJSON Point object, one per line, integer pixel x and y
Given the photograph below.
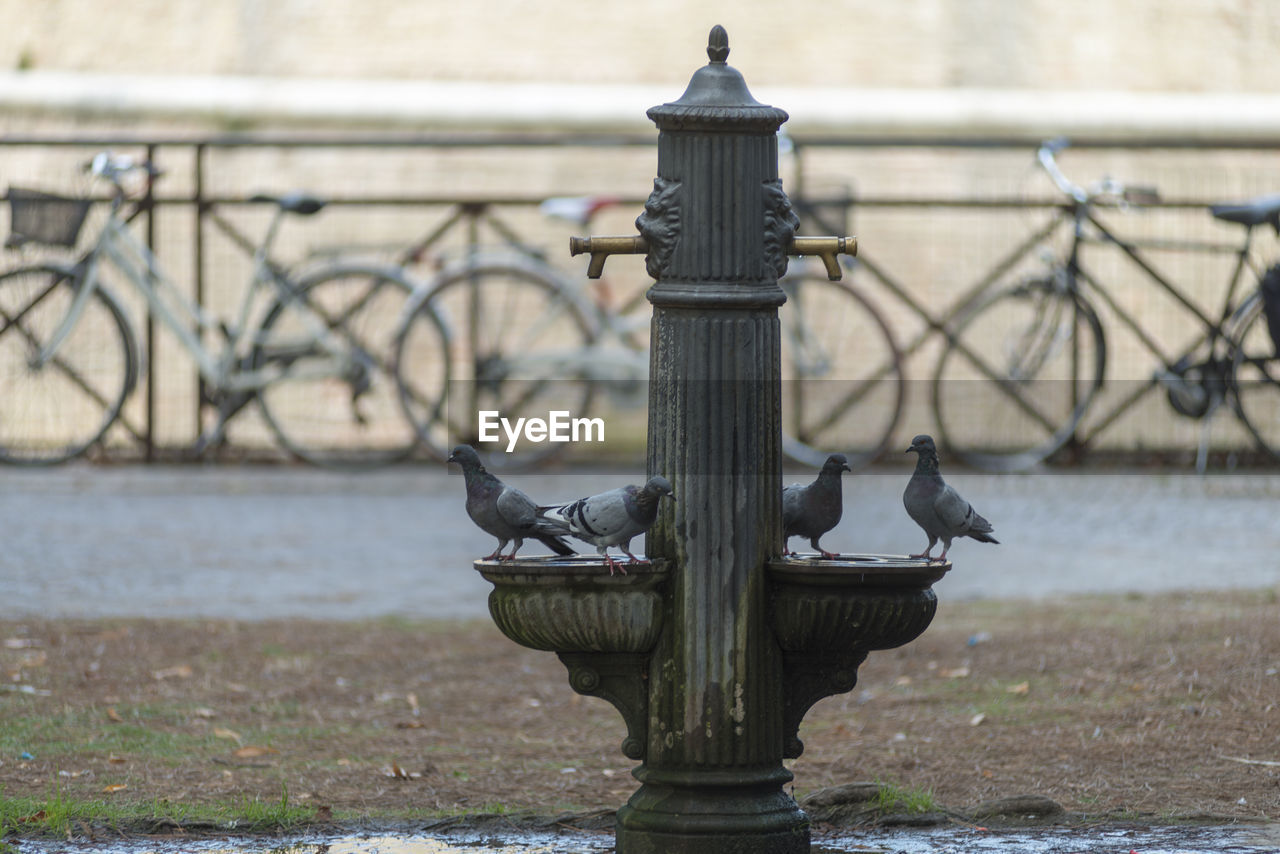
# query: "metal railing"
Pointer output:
{"type": "Point", "coordinates": [939, 222]}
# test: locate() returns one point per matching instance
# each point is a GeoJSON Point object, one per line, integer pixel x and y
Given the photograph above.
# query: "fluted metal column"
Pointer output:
{"type": "Point", "coordinates": [717, 227]}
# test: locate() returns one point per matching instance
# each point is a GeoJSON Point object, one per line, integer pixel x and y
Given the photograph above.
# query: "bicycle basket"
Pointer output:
{"type": "Point", "coordinates": [1270, 287]}
{"type": "Point", "coordinates": [36, 217]}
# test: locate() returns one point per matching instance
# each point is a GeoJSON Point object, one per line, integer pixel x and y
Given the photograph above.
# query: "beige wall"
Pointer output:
{"type": "Point", "coordinates": [1145, 45]}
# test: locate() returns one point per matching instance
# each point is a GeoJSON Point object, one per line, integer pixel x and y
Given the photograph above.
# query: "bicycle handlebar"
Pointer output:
{"type": "Point", "coordinates": [114, 167]}
{"type": "Point", "coordinates": [1047, 155]}
{"type": "Point", "coordinates": [1107, 187]}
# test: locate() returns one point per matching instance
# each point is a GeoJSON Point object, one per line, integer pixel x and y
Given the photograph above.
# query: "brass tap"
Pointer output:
{"type": "Point", "coordinates": [826, 248]}
{"type": "Point", "coordinates": [600, 248]}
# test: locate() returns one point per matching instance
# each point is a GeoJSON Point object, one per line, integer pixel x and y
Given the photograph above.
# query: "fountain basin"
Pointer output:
{"type": "Point", "coordinates": [827, 615]}
{"type": "Point", "coordinates": [858, 602]}
{"type": "Point", "coordinates": [572, 604]}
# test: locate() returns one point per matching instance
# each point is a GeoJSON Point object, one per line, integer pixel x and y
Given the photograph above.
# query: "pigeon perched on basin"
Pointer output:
{"type": "Point", "coordinates": [612, 518]}
{"type": "Point", "coordinates": [936, 507]}
{"type": "Point", "coordinates": [810, 511]}
{"type": "Point", "coordinates": [503, 511]}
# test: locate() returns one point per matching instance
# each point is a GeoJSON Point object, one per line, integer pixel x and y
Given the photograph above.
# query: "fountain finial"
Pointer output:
{"type": "Point", "coordinates": [718, 45]}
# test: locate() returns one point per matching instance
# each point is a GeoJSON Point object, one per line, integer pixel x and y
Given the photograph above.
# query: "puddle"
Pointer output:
{"type": "Point", "coordinates": [1054, 840]}
{"type": "Point", "coordinates": [1241, 839]}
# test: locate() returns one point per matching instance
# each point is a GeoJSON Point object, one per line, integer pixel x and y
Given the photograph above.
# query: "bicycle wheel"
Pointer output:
{"type": "Point", "coordinates": [1255, 378]}
{"type": "Point", "coordinates": [842, 383]}
{"type": "Point", "coordinates": [1017, 374]}
{"type": "Point", "coordinates": [340, 418]}
{"type": "Point", "coordinates": [518, 348]}
{"type": "Point", "coordinates": [53, 411]}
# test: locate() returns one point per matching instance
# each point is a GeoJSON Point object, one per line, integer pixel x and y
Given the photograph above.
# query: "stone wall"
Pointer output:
{"type": "Point", "coordinates": [1147, 45]}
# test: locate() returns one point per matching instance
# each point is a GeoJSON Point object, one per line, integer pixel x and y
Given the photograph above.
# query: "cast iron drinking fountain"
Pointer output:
{"type": "Point", "coordinates": [714, 648]}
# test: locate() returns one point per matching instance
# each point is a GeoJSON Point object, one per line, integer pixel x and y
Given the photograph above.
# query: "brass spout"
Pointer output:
{"type": "Point", "coordinates": [600, 248]}
{"type": "Point", "coordinates": [826, 248]}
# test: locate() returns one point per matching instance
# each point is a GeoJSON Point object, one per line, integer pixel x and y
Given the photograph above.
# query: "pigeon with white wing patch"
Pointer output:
{"type": "Point", "coordinates": [612, 518]}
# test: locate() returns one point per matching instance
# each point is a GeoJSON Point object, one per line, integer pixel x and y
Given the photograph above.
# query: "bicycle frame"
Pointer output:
{"type": "Point", "coordinates": [600, 361]}
{"type": "Point", "coordinates": [1088, 229]}
{"type": "Point", "coordinates": [124, 251]}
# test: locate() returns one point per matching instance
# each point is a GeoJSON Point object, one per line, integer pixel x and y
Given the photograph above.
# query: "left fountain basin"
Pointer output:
{"type": "Point", "coordinates": [573, 604]}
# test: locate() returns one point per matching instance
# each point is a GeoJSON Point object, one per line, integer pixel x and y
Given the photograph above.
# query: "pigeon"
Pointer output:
{"type": "Point", "coordinates": [612, 518]}
{"type": "Point", "coordinates": [503, 511]}
{"type": "Point", "coordinates": [936, 507]}
{"type": "Point", "coordinates": [810, 511]}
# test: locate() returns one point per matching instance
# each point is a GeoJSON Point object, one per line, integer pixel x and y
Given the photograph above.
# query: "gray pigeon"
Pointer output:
{"type": "Point", "coordinates": [612, 518]}
{"type": "Point", "coordinates": [936, 507]}
{"type": "Point", "coordinates": [502, 510]}
{"type": "Point", "coordinates": [810, 511]}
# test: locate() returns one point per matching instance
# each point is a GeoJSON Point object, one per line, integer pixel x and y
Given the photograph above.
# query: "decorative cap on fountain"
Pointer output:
{"type": "Point", "coordinates": [717, 98]}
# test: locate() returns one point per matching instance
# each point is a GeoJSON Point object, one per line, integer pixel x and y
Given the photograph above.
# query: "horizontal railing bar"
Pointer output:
{"type": "Point", "coordinates": [807, 201]}
{"type": "Point", "coordinates": [606, 140]}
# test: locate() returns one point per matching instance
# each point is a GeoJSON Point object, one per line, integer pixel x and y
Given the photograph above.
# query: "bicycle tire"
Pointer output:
{"type": "Point", "coordinates": [1049, 354]}
{"type": "Point", "coordinates": [55, 412]}
{"type": "Point", "coordinates": [1255, 376]}
{"type": "Point", "coordinates": [843, 388]}
{"type": "Point", "coordinates": [338, 422]}
{"type": "Point", "coordinates": [514, 333]}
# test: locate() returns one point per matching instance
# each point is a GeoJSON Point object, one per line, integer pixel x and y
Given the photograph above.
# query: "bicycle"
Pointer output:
{"type": "Point", "coordinates": [525, 337]}
{"type": "Point", "coordinates": [69, 357]}
{"type": "Point", "coordinates": [1022, 366]}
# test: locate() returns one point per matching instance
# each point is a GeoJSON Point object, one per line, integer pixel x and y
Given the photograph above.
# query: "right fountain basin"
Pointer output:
{"type": "Point", "coordinates": [856, 602]}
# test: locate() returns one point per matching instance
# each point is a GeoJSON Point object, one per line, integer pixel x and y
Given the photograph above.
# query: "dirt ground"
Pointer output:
{"type": "Point", "coordinates": [1119, 707]}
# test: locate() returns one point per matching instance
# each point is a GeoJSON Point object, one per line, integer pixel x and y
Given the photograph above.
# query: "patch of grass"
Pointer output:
{"type": "Point", "coordinates": [58, 815]}
{"type": "Point", "coordinates": [84, 733]}
{"type": "Point", "coordinates": [893, 799]}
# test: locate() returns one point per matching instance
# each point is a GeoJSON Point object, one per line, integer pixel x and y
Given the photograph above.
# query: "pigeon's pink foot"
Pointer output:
{"type": "Point", "coordinates": [613, 564]}
{"type": "Point", "coordinates": [923, 556]}
{"type": "Point", "coordinates": [494, 556]}
{"type": "Point", "coordinates": [829, 555]}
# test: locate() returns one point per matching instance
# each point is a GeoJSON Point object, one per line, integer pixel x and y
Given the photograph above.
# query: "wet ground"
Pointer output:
{"type": "Point", "coordinates": [1114, 840]}
{"type": "Point", "coordinates": [253, 543]}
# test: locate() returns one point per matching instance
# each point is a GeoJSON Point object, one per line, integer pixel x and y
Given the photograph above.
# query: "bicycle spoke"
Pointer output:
{"type": "Point", "coordinates": [1012, 384]}
{"type": "Point", "coordinates": [1009, 387]}
{"type": "Point", "coordinates": [518, 348]}
{"type": "Point", "coordinates": [841, 373]}
{"type": "Point", "coordinates": [67, 369]}
{"type": "Point", "coordinates": [831, 416]}
{"type": "Point", "coordinates": [333, 400]}
{"type": "Point", "coordinates": [55, 409]}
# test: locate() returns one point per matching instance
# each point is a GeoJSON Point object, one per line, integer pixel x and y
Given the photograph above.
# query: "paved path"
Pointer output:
{"type": "Point", "coordinates": [284, 542]}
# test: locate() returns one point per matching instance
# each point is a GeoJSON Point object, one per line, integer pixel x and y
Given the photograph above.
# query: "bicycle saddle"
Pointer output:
{"type": "Point", "coordinates": [295, 202]}
{"type": "Point", "coordinates": [1264, 209]}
